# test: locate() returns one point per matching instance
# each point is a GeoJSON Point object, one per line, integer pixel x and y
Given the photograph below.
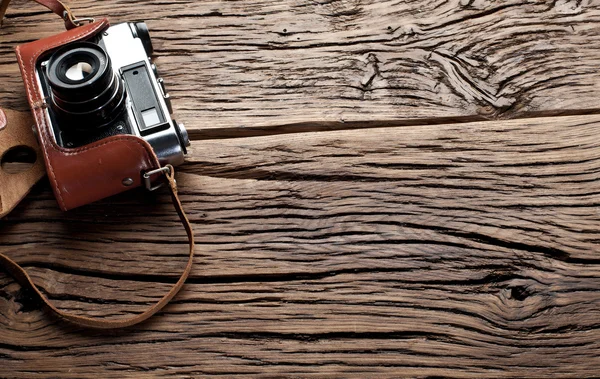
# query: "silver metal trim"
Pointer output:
{"type": "Point", "coordinates": [147, 177]}
{"type": "Point", "coordinates": [79, 21]}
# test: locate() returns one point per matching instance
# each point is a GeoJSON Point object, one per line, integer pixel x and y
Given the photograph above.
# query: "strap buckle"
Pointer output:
{"type": "Point", "coordinates": [147, 177]}
{"type": "Point", "coordinates": [68, 16]}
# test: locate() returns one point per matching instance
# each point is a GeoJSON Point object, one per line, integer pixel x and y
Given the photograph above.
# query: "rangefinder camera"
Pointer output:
{"type": "Point", "coordinates": [108, 86]}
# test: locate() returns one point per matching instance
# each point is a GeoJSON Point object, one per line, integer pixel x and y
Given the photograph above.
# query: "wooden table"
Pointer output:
{"type": "Point", "coordinates": [378, 189]}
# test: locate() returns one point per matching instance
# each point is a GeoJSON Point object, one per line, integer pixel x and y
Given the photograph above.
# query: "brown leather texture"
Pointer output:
{"type": "Point", "coordinates": [55, 6]}
{"type": "Point", "coordinates": [83, 175]}
{"type": "Point", "coordinates": [16, 132]}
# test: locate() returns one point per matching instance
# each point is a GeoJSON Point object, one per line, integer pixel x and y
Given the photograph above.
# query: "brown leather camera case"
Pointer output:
{"type": "Point", "coordinates": [83, 175]}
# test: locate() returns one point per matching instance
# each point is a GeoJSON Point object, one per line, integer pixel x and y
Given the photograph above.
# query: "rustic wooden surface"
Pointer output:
{"type": "Point", "coordinates": [426, 243]}
{"type": "Point", "coordinates": [306, 64]}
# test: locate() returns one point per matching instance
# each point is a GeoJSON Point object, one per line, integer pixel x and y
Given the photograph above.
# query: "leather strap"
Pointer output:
{"type": "Point", "coordinates": [55, 6]}
{"type": "Point", "coordinates": [21, 276]}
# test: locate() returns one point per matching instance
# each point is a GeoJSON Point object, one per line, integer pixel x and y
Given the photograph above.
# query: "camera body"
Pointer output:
{"type": "Point", "coordinates": [108, 86]}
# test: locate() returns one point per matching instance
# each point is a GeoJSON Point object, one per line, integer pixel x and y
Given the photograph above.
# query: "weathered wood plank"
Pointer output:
{"type": "Point", "coordinates": [304, 65]}
{"type": "Point", "coordinates": [459, 250]}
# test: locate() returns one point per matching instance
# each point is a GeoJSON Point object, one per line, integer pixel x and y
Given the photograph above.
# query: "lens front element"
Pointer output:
{"type": "Point", "coordinates": [79, 71]}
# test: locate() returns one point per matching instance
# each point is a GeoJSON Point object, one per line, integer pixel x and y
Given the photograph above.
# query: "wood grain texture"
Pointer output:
{"type": "Point", "coordinates": [240, 67]}
{"type": "Point", "coordinates": [457, 250]}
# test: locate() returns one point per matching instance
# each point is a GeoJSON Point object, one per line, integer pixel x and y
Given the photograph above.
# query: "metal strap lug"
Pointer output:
{"type": "Point", "coordinates": [148, 175]}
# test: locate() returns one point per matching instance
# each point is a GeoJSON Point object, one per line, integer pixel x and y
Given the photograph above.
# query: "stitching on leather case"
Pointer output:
{"type": "Point", "coordinates": [41, 119]}
{"type": "Point", "coordinates": [42, 135]}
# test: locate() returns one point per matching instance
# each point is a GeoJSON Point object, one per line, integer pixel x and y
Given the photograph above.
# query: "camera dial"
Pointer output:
{"type": "Point", "coordinates": [140, 30]}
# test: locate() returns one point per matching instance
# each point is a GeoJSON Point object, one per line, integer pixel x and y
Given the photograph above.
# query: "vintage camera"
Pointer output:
{"type": "Point", "coordinates": [108, 86]}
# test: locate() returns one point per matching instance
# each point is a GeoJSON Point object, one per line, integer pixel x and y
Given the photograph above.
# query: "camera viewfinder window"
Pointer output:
{"type": "Point", "coordinates": [150, 117]}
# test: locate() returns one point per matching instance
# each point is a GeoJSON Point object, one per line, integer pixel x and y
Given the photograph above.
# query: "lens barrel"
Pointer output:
{"type": "Point", "coordinates": [86, 93]}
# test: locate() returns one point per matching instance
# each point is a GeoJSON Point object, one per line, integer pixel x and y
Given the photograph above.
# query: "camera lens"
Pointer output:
{"type": "Point", "coordinates": [86, 93]}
